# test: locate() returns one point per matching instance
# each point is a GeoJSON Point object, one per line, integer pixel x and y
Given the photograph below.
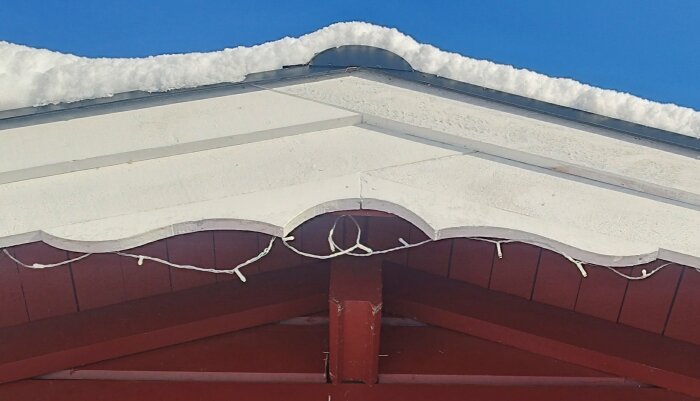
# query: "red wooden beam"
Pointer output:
{"type": "Point", "coordinates": [431, 354]}
{"type": "Point", "coordinates": [106, 390]}
{"type": "Point", "coordinates": [250, 355]}
{"type": "Point", "coordinates": [72, 340]}
{"type": "Point", "coordinates": [543, 329]}
{"type": "Point", "coordinates": [355, 314]}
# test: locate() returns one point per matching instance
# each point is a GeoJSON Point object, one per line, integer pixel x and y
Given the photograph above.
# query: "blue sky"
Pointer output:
{"type": "Point", "coordinates": [647, 48]}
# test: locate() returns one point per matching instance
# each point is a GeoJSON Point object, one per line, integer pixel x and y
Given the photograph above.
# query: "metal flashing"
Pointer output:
{"type": "Point", "coordinates": [361, 57]}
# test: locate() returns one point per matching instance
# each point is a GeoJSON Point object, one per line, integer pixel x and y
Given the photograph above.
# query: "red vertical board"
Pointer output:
{"type": "Point", "coordinates": [472, 261]}
{"type": "Point", "coordinates": [515, 272]}
{"type": "Point", "coordinates": [12, 307]}
{"type": "Point", "coordinates": [557, 281]}
{"type": "Point", "coordinates": [314, 234]}
{"type": "Point", "coordinates": [433, 257]}
{"type": "Point", "coordinates": [150, 278]}
{"type": "Point", "coordinates": [384, 233]}
{"type": "Point", "coordinates": [684, 322]}
{"type": "Point", "coordinates": [196, 249]}
{"type": "Point", "coordinates": [232, 248]}
{"type": "Point", "coordinates": [98, 280]}
{"type": "Point", "coordinates": [601, 293]}
{"type": "Point", "coordinates": [280, 257]}
{"type": "Point", "coordinates": [48, 292]}
{"type": "Point", "coordinates": [648, 302]}
{"type": "Point", "coordinates": [350, 231]}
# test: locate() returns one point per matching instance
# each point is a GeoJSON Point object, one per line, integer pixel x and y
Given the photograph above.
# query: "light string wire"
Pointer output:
{"type": "Point", "coordinates": [335, 251]}
{"type": "Point", "coordinates": [41, 265]}
{"type": "Point", "coordinates": [236, 270]}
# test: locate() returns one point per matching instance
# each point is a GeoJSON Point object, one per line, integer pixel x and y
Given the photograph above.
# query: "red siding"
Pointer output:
{"type": "Point", "coordinates": [558, 281]}
{"type": "Point", "coordinates": [280, 257]}
{"type": "Point", "coordinates": [233, 248]}
{"type": "Point", "coordinates": [14, 310]}
{"type": "Point", "coordinates": [684, 322]}
{"type": "Point", "coordinates": [648, 302]}
{"type": "Point", "coordinates": [433, 257]}
{"type": "Point", "coordinates": [314, 234]}
{"type": "Point", "coordinates": [151, 278]}
{"type": "Point", "coordinates": [350, 232]}
{"type": "Point", "coordinates": [472, 261]}
{"type": "Point", "coordinates": [384, 233]}
{"type": "Point", "coordinates": [601, 293]}
{"type": "Point", "coordinates": [98, 280]}
{"type": "Point", "coordinates": [515, 272]}
{"type": "Point", "coordinates": [192, 249]}
{"type": "Point", "coordinates": [524, 270]}
{"type": "Point", "coordinates": [48, 292]}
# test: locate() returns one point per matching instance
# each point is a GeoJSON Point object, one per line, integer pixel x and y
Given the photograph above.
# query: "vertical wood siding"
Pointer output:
{"type": "Point", "coordinates": [668, 303]}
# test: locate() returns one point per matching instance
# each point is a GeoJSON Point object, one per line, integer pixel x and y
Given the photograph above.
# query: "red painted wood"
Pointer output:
{"type": "Point", "coordinates": [543, 329]}
{"type": "Point", "coordinates": [149, 279]}
{"type": "Point", "coordinates": [515, 272]}
{"type": "Point", "coordinates": [384, 233]}
{"type": "Point", "coordinates": [98, 280]}
{"type": "Point", "coordinates": [13, 309]}
{"type": "Point", "coordinates": [280, 257]}
{"type": "Point", "coordinates": [472, 261]}
{"type": "Point", "coordinates": [684, 322]}
{"type": "Point", "coordinates": [648, 302]}
{"type": "Point", "coordinates": [557, 281]}
{"type": "Point", "coordinates": [63, 342]}
{"type": "Point", "coordinates": [235, 247]}
{"type": "Point", "coordinates": [355, 313]}
{"type": "Point", "coordinates": [48, 292]}
{"type": "Point", "coordinates": [251, 353]}
{"type": "Point", "coordinates": [192, 249]}
{"type": "Point", "coordinates": [601, 293]}
{"type": "Point", "coordinates": [350, 231]}
{"type": "Point", "coordinates": [433, 257]}
{"type": "Point", "coordinates": [314, 234]}
{"type": "Point", "coordinates": [433, 351]}
{"type": "Point", "coordinates": [106, 390]}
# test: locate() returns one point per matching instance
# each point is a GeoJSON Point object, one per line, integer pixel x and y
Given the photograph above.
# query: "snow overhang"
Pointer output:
{"type": "Point", "coordinates": [274, 151]}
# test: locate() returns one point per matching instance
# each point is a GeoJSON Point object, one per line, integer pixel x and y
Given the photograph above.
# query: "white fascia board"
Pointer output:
{"type": "Point", "coordinates": [41, 204]}
{"type": "Point", "coordinates": [275, 212]}
{"type": "Point", "coordinates": [471, 196]}
{"type": "Point", "coordinates": [504, 131]}
{"type": "Point", "coordinates": [413, 156]}
{"type": "Point", "coordinates": [160, 131]}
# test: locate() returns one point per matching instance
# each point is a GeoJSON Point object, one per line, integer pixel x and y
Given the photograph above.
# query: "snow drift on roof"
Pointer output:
{"type": "Point", "coordinates": [31, 77]}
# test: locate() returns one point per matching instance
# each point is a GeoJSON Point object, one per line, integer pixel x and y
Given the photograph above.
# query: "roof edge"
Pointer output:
{"type": "Point", "coordinates": [331, 63]}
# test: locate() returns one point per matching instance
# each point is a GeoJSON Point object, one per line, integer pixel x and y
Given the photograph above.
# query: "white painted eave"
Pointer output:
{"type": "Point", "coordinates": [268, 160]}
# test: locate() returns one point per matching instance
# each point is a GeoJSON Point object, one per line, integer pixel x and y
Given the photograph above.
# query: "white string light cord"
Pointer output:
{"type": "Point", "coordinates": [140, 258]}
{"type": "Point", "coordinates": [336, 251]}
{"type": "Point", "coordinates": [236, 270]}
{"type": "Point", "coordinates": [44, 266]}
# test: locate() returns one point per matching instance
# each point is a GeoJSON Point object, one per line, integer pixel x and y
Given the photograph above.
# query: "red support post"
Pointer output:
{"type": "Point", "coordinates": [355, 309]}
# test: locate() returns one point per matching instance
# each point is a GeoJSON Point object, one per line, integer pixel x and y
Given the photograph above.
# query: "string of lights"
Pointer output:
{"type": "Point", "coordinates": [358, 249]}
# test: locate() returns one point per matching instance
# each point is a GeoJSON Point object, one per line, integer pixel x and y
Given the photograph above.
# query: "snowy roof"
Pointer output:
{"type": "Point", "coordinates": [269, 155]}
{"type": "Point", "coordinates": [34, 77]}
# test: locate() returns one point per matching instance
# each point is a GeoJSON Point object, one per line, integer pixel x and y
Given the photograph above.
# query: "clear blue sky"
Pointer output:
{"type": "Point", "coordinates": [648, 48]}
